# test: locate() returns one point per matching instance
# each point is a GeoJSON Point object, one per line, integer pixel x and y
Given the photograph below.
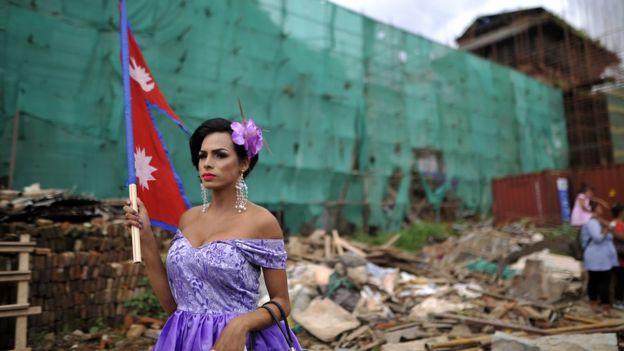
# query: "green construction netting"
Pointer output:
{"type": "Point", "coordinates": [347, 101]}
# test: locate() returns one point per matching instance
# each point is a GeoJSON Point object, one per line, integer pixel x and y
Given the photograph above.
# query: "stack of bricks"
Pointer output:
{"type": "Point", "coordinates": [85, 277]}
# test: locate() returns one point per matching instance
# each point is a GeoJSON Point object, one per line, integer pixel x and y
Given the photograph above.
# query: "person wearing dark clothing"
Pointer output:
{"type": "Point", "coordinates": [617, 228]}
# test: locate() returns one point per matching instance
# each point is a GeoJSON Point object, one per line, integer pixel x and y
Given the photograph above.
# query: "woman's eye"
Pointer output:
{"type": "Point", "coordinates": [202, 156]}
{"type": "Point", "coordinates": [221, 155]}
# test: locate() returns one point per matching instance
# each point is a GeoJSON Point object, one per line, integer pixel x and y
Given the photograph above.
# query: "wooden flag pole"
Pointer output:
{"type": "Point", "coordinates": [136, 237]}
{"type": "Point", "coordinates": [132, 189]}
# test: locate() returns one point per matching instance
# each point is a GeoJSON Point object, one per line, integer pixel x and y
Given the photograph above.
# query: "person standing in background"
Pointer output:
{"type": "Point", "coordinates": [617, 228]}
{"type": "Point", "coordinates": [599, 258]}
{"type": "Point", "coordinates": [581, 213]}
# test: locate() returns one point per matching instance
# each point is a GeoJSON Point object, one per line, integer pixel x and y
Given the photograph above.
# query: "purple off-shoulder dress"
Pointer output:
{"type": "Point", "coordinates": [214, 283]}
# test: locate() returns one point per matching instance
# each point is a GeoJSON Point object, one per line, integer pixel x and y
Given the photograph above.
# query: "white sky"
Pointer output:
{"type": "Point", "coordinates": [445, 20]}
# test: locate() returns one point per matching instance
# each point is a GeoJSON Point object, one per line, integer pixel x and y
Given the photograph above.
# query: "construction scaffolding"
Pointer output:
{"type": "Point", "coordinates": [544, 46]}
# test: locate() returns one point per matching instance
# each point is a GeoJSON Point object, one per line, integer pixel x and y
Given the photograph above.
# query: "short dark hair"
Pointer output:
{"type": "Point", "coordinates": [216, 125]}
{"type": "Point", "coordinates": [585, 188]}
{"type": "Point", "coordinates": [593, 205]}
{"type": "Point", "coordinates": [616, 210]}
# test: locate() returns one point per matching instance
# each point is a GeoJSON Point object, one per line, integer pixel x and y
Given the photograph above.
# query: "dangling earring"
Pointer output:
{"type": "Point", "coordinates": [241, 195]}
{"type": "Point", "coordinates": [204, 194]}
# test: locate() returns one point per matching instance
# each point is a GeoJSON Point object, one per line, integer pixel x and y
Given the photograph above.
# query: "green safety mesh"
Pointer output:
{"type": "Point", "coordinates": [347, 102]}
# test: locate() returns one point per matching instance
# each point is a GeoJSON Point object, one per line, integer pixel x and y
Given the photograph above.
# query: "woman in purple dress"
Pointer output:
{"type": "Point", "coordinates": [210, 283]}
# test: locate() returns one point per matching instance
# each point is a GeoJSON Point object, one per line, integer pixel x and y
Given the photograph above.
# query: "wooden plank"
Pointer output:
{"type": "Point", "coordinates": [13, 307]}
{"type": "Point", "coordinates": [17, 243]}
{"type": "Point", "coordinates": [392, 241]}
{"type": "Point", "coordinates": [23, 312]}
{"type": "Point", "coordinates": [577, 328]}
{"type": "Point", "coordinates": [14, 276]}
{"type": "Point", "coordinates": [21, 328]}
{"type": "Point", "coordinates": [15, 249]}
{"type": "Point", "coordinates": [352, 248]}
{"type": "Point", "coordinates": [328, 247]}
{"type": "Point", "coordinates": [22, 265]}
{"type": "Point", "coordinates": [494, 323]}
{"type": "Point", "coordinates": [580, 319]}
{"type": "Point", "coordinates": [337, 242]}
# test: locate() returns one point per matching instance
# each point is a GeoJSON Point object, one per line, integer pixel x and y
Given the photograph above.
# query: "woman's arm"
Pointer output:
{"type": "Point", "coordinates": [584, 203]}
{"type": "Point", "coordinates": [234, 335]}
{"type": "Point", "coordinates": [277, 286]}
{"type": "Point", "coordinates": [600, 201]}
{"type": "Point", "coordinates": [595, 231]}
{"type": "Point", "coordinates": [154, 267]}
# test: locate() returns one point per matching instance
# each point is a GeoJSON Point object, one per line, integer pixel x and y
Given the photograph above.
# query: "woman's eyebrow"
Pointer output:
{"type": "Point", "coordinates": [218, 149]}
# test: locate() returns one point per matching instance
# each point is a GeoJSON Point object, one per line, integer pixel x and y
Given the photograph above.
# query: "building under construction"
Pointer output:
{"type": "Point", "coordinates": [544, 46]}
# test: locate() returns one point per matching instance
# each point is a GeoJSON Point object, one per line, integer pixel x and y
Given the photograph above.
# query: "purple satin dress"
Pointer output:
{"type": "Point", "coordinates": [214, 283]}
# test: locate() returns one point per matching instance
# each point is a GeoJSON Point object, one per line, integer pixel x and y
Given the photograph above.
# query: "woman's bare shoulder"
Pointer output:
{"type": "Point", "coordinates": [189, 216]}
{"type": "Point", "coordinates": [265, 224]}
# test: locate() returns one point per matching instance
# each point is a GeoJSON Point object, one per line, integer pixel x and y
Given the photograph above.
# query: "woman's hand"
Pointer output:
{"type": "Point", "coordinates": [233, 337]}
{"type": "Point", "coordinates": [138, 219]}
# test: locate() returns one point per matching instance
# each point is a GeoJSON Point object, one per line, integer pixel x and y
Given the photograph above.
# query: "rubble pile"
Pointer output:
{"type": "Point", "coordinates": [511, 288]}
{"type": "Point", "coordinates": [484, 289]}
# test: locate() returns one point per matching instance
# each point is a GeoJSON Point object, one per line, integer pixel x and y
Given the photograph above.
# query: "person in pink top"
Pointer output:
{"type": "Point", "coordinates": [581, 213]}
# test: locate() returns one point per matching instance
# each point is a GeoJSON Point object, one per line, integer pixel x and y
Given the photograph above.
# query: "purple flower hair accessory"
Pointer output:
{"type": "Point", "coordinates": [249, 135]}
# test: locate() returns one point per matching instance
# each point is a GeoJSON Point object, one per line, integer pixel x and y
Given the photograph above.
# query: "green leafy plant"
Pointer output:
{"type": "Point", "coordinates": [99, 325]}
{"type": "Point", "coordinates": [563, 230]}
{"type": "Point", "coordinates": [146, 303]}
{"type": "Point", "coordinates": [412, 238]}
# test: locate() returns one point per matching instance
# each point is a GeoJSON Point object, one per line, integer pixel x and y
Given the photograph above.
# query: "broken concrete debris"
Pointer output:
{"type": "Point", "coordinates": [435, 299]}
{"type": "Point", "coordinates": [482, 288]}
{"type": "Point", "coordinates": [335, 319]}
{"type": "Point", "coordinates": [586, 342]}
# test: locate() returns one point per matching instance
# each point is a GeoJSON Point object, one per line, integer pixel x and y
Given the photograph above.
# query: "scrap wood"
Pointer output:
{"type": "Point", "coordinates": [337, 242]}
{"type": "Point", "coordinates": [372, 345]}
{"type": "Point", "coordinates": [391, 241]}
{"type": "Point", "coordinates": [509, 298]}
{"type": "Point", "coordinates": [348, 246]}
{"type": "Point", "coordinates": [616, 330]}
{"type": "Point", "coordinates": [493, 323]}
{"type": "Point", "coordinates": [487, 339]}
{"type": "Point", "coordinates": [580, 319]}
{"type": "Point", "coordinates": [529, 312]}
{"type": "Point", "coordinates": [504, 309]}
{"type": "Point", "coordinates": [328, 247]}
{"type": "Point", "coordinates": [478, 340]}
{"type": "Point", "coordinates": [585, 327]}
{"type": "Point", "coordinates": [356, 333]}
{"type": "Point", "coordinates": [403, 326]}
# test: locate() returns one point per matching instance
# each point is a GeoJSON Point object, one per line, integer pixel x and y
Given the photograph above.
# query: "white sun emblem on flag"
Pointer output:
{"type": "Point", "coordinates": [143, 168]}
{"type": "Point", "coordinates": [141, 76]}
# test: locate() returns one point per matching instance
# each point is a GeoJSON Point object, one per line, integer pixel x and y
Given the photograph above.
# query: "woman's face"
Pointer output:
{"type": "Point", "coordinates": [219, 165]}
